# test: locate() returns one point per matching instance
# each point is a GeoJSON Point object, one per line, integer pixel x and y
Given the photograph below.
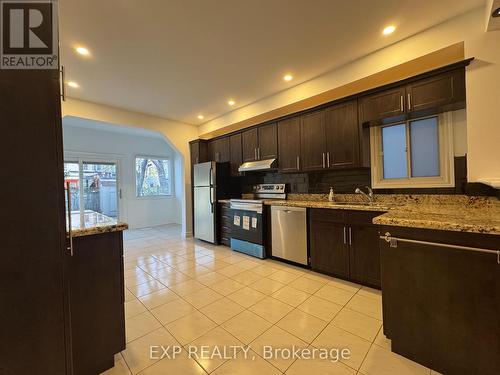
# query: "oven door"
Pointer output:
{"type": "Point", "coordinates": [246, 225]}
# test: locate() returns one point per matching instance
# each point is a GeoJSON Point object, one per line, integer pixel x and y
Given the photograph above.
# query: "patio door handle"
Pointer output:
{"type": "Point", "coordinates": [70, 231]}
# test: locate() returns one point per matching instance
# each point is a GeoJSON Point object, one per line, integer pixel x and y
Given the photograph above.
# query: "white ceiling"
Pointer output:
{"type": "Point", "coordinates": [179, 58]}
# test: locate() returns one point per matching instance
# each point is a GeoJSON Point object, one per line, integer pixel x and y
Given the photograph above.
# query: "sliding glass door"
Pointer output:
{"type": "Point", "coordinates": [94, 189]}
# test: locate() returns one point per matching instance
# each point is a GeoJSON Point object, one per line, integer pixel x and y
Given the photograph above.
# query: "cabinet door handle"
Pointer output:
{"type": "Point", "coordinates": [350, 236]}
{"type": "Point", "coordinates": [328, 159]}
{"type": "Point", "coordinates": [255, 153]}
{"type": "Point", "coordinates": [324, 160]}
{"type": "Point", "coordinates": [63, 83]}
{"type": "Point", "coordinates": [258, 153]}
{"type": "Point", "coordinates": [298, 163]}
{"type": "Point", "coordinates": [345, 237]}
{"type": "Point", "coordinates": [70, 230]}
{"type": "Point", "coordinates": [409, 101]}
{"type": "Point", "coordinates": [401, 106]}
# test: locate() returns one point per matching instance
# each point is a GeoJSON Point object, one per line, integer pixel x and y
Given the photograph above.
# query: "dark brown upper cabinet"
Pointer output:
{"type": "Point", "coordinates": [250, 142]}
{"type": "Point", "coordinates": [342, 135]}
{"type": "Point", "coordinates": [436, 92]}
{"type": "Point", "coordinates": [219, 150]}
{"type": "Point", "coordinates": [268, 142]}
{"type": "Point", "coordinates": [386, 104]}
{"type": "Point", "coordinates": [312, 141]}
{"type": "Point", "coordinates": [198, 150]}
{"type": "Point", "coordinates": [260, 143]}
{"type": "Point", "coordinates": [289, 144]}
{"type": "Point", "coordinates": [236, 153]}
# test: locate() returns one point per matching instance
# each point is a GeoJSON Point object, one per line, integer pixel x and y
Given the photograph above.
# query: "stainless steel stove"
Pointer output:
{"type": "Point", "coordinates": [247, 228]}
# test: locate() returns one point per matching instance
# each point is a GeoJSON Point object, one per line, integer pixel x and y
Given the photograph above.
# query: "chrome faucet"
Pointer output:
{"type": "Point", "coordinates": [370, 196]}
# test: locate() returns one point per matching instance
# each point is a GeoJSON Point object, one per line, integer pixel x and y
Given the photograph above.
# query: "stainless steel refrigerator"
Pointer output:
{"type": "Point", "coordinates": [211, 181]}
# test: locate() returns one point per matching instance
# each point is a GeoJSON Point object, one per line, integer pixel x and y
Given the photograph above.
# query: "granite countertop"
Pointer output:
{"type": "Point", "coordinates": [94, 223]}
{"type": "Point", "coordinates": [440, 212]}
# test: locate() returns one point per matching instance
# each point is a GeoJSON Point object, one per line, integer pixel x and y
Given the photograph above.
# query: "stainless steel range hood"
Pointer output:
{"type": "Point", "coordinates": [260, 165]}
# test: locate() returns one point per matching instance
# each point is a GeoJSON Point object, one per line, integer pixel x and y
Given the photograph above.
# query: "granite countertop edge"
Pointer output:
{"type": "Point", "coordinates": [99, 229]}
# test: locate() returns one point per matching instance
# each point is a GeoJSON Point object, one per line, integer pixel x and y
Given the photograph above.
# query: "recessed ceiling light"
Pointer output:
{"type": "Point", "coordinates": [288, 77]}
{"type": "Point", "coordinates": [73, 84]}
{"type": "Point", "coordinates": [389, 30]}
{"type": "Point", "coordinates": [496, 13]}
{"type": "Point", "coordinates": [231, 102]}
{"type": "Point", "coordinates": [82, 51]}
{"type": "Point", "coordinates": [201, 117]}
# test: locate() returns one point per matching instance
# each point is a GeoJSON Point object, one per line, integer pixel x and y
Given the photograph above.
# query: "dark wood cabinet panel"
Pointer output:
{"type": "Point", "coordinates": [328, 243]}
{"type": "Point", "coordinates": [219, 150]}
{"type": "Point", "coordinates": [312, 141]}
{"type": "Point", "coordinates": [383, 105]}
{"type": "Point", "coordinates": [198, 151]}
{"type": "Point", "coordinates": [434, 92]}
{"type": "Point", "coordinates": [449, 321]}
{"type": "Point", "coordinates": [224, 224]}
{"type": "Point", "coordinates": [342, 135]}
{"type": "Point", "coordinates": [35, 323]}
{"type": "Point", "coordinates": [289, 145]}
{"type": "Point", "coordinates": [236, 153]}
{"type": "Point", "coordinates": [364, 255]}
{"type": "Point", "coordinates": [96, 287]}
{"type": "Point", "coordinates": [268, 142]}
{"type": "Point", "coordinates": [250, 143]}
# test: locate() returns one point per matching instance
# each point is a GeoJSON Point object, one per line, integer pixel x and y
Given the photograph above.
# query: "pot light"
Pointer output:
{"type": "Point", "coordinates": [82, 51]}
{"type": "Point", "coordinates": [201, 117]}
{"type": "Point", "coordinates": [496, 13]}
{"type": "Point", "coordinates": [231, 102]}
{"type": "Point", "coordinates": [389, 30]}
{"type": "Point", "coordinates": [73, 84]}
{"type": "Point", "coordinates": [288, 77]}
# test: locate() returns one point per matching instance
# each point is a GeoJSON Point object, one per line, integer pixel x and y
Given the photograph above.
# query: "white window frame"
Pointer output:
{"type": "Point", "coordinates": [170, 177]}
{"type": "Point", "coordinates": [446, 158]}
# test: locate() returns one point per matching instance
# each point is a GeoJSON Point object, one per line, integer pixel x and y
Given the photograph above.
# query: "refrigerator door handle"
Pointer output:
{"type": "Point", "coordinates": [212, 199]}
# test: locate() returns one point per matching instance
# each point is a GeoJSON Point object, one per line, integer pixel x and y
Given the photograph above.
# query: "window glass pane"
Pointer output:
{"type": "Point", "coordinates": [152, 177]}
{"type": "Point", "coordinates": [99, 190]}
{"type": "Point", "coordinates": [72, 176]}
{"type": "Point", "coordinates": [424, 141]}
{"type": "Point", "coordinates": [394, 148]}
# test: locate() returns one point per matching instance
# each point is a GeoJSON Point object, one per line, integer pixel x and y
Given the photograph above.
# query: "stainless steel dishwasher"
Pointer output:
{"type": "Point", "coordinates": [289, 233]}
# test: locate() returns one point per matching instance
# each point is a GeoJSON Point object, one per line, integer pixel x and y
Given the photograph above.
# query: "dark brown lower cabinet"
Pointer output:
{"type": "Point", "coordinates": [224, 224]}
{"type": "Point", "coordinates": [344, 244]}
{"type": "Point", "coordinates": [96, 292]}
{"type": "Point", "coordinates": [441, 305]}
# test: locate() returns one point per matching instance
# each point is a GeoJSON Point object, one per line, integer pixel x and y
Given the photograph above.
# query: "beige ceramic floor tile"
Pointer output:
{"type": "Point", "coordinates": [247, 277]}
{"type": "Point", "coordinates": [158, 298]}
{"type": "Point", "coordinates": [137, 353]}
{"type": "Point", "coordinates": [227, 287]}
{"type": "Point", "coordinates": [307, 285]}
{"type": "Point", "coordinates": [264, 270]}
{"type": "Point", "coordinates": [133, 308]}
{"type": "Point", "coordinates": [251, 365]}
{"type": "Point", "coordinates": [211, 278]}
{"type": "Point", "coordinates": [271, 309]}
{"type": "Point", "coordinates": [181, 364]}
{"type": "Point", "coordinates": [246, 297]}
{"type": "Point", "coordinates": [129, 296]}
{"type": "Point", "coordinates": [279, 340]}
{"type": "Point", "coordinates": [366, 305]}
{"type": "Point", "coordinates": [334, 294]}
{"type": "Point", "coordinates": [202, 298]}
{"type": "Point", "coordinates": [304, 326]}
{"type": "Point", "coordinates": [370, 293]}
{"type": "Point", "coordinates": [140, 325]}
{"type": "Point", "coordinates": [320, 308]}
{"type": "Point", "coordinates": [283, 276]}
{"type": "Point", "coordinates": [267, 286]}
{"type": "Point", "coordinates": [190, 327]}
{"type": "Point", "coordinates": [246, 326]}
{"type": "Point", "coordinates": [187, 287]}
{"type": "Point", "coordinates": [231, 270]}
{"type": "Point", "coordinates": [357, 324]}
{"type": "Point", "coordinates": [381, 340]}
{"type": "Point", "coordinates": [346, 285]}
{"type": "Point", "coordinates": [215, 340]}
{"type": "Point", "coordinates": [383, 362]}
{"type": "Point", "coordinates": [197, 271]}
{"type": "Point", "coordinates": [222, 310]}
{"type": "Point", "coordinates": [120, 367]}
{"type": "Point", "coordinates": [335, 338]}
{"type": "Point", "coordinates": [319, 366]}
{"type": "Point", "coordinates": [146, 288]}
{"type": "Point", "coordinates": [291, 296]}
{"type": "Point", "coordinates": [172, 311]}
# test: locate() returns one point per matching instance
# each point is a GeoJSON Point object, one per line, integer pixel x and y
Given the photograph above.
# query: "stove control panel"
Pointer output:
{"type": "Point", "coordinates": [270, 188]}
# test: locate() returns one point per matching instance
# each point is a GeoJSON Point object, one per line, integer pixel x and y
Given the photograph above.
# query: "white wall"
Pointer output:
{"type": "Point", "coordinates": [177, 134]}
{"type": "Point", "coordinates": [137, 212]}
